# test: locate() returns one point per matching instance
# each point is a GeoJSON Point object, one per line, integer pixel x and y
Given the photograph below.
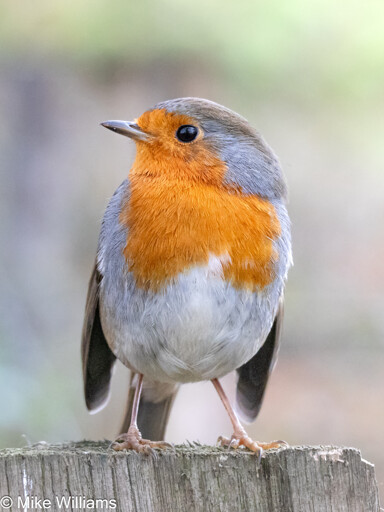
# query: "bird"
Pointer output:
{"type": "Point", "coordinates": [191, 265]}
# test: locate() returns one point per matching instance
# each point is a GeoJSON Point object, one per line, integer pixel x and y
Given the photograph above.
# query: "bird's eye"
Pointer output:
{"type": "Point", "coordinates": [187, 133]}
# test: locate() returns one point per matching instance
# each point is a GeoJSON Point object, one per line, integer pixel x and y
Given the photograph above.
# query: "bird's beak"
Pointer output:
{"type": "Point", "coordinates": [128, 128]}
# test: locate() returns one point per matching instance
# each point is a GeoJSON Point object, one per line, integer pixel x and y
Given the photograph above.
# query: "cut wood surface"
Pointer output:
{"type": "Point", "coordinates": [90, 476]}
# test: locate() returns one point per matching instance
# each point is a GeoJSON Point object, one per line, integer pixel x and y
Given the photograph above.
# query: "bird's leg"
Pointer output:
{"type": "Point", "coordinates": [239, 436]}
{"type": "Point", "coordinates": [132, 440]}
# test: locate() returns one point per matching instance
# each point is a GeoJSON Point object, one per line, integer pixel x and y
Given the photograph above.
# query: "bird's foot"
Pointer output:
{"type": "Point", "coordinates": [132, 440]}
{"type": "Point", "coordinates": [241, 438]}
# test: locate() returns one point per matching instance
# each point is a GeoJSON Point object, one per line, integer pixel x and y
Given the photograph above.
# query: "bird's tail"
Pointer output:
{"type": "Point", "coordinates": [154, 408]}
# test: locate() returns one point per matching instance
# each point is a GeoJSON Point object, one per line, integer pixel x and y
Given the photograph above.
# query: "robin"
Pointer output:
{"type": "Point", "coordinates": [190, 270]}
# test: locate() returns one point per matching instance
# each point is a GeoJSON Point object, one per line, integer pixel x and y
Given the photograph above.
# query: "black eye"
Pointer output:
{"type": "Point", "coordinates": [187, 133]}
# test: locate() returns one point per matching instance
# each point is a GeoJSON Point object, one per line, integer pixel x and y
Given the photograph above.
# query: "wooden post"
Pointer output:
{"type": "Point", "coordinates": [89, 476]}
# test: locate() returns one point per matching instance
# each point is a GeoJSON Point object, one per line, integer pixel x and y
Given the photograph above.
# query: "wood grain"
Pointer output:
{"type": "Point", "coordinates": [190, 478]}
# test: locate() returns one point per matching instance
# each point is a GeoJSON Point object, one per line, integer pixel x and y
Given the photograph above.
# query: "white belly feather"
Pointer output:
{"type": "Point", "coordinates": [198, 328]}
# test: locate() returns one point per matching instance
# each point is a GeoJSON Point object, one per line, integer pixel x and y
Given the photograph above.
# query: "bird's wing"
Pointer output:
{"type": "Point", "coordinates": [97, 358]}
{"type": "Point", "coordinates": [253, 375]}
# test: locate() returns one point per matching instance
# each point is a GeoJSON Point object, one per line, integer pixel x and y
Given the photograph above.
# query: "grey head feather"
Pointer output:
{"type": "Point", "coordinates": [251, 163]}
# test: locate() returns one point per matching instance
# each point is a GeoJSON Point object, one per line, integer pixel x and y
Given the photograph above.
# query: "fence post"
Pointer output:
{"type": "Point", "coordinates": [89, 476]}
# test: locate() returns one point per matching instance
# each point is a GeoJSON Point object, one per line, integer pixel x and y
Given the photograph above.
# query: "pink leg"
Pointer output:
{"type": "Point", "coordinates": [132, 440]}
{"type": "Point", "coordinates": [136, 400]}
{"type": "Point", "coordinates": [240, 437]}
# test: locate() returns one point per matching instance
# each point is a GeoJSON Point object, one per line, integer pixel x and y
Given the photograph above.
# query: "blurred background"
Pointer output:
{"type": "Point", "coordinates": [310, 77]}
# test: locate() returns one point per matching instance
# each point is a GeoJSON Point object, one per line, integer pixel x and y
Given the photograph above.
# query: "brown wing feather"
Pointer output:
{"type": "Point", "coordinates": [97, 358]}
{"type": "Point", "coordinates": [253, 375]}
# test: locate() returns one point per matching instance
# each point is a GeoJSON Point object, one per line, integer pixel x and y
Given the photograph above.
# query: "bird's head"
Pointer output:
{"type": "Point", "coordinates": [198, 140]}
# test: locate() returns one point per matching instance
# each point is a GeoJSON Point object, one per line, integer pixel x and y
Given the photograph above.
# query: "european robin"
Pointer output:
{"type": "Point", "coordinates": [190, 270]}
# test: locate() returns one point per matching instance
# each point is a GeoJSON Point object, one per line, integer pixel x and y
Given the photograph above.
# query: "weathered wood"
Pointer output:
{"type": "Point", "coordinates": [190, 478]}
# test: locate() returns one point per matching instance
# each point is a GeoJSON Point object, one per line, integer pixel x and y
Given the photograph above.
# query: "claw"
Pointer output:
{"type": "Point", "coordinates": [132, 440]}
{"type": "Point", "coordinates": [242, 439]}
{"type": "Point", "coordinates": [273, 444]}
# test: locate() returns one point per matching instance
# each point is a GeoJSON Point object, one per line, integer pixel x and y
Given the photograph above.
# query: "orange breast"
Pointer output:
{"type": "Point", "coordinates": [179, 213]}
{"type": "Point", "coordinates": [174, 225]}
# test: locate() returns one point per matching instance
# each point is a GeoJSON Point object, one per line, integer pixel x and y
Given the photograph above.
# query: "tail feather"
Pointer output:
{"type": "Point", "coordinates": [154, 410]}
